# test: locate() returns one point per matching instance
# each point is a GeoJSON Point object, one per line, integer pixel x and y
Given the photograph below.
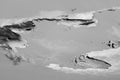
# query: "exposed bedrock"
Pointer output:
{"type": "Point", "coordinates": [28, 25]}
{"type": "Point", "coordinates": [7, 34]}
{"type": "Point", "coordinates": [9, 40]}
{"type": "Point", "coordinates": [85, 62]}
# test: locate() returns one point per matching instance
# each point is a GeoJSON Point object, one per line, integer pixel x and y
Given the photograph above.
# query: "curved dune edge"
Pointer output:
{"type": "Point", "coordinates": [108, 54]}
{"type": "Point", "coordinates": [90, 71]}
{"type": "Point", "coordinates": [78, 71]}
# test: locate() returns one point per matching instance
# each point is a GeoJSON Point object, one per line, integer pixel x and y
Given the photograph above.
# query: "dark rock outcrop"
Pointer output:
{"type": "Point", "coordinates": [28, 25]}
{"type": "Point", "coordinates": [7, 35]}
